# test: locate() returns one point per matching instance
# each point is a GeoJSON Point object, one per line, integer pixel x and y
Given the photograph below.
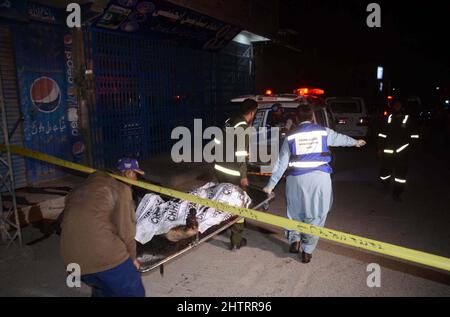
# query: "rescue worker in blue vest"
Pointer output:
{"type": "Point", "coordinates": [234, 171]}
{"type": "Point", "coordinates": [309, 194]}
{"type": "Point", "coordinates": [396, 137]}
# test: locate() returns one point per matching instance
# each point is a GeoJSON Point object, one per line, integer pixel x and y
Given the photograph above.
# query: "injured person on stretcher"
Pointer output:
{"type": "Point", "coordinates": [176, 220]}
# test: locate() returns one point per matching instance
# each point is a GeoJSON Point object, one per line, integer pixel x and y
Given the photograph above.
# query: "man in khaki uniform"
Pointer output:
{"type": "Point", "coordinates": [235, 171]}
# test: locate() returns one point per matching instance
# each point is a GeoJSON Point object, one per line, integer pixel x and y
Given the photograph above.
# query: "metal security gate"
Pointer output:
{"type": "Point", "coordinates": [234, 77]}
{"type": "Point", "coordinates": [145, 88]}
{"type": "Point", "coordinates": [11, 102]}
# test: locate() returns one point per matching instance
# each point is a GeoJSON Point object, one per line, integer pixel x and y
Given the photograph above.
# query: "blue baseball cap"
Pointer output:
{"type": "Point", "coordinates": [126, 164]}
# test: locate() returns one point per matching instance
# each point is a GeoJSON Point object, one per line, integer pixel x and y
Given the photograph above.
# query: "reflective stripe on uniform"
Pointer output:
{"type": "Point", "coordinates": [414, 136]}
{"type": "Point", "coordinates": [227, 170]}
{"type": "Point", "coordinates": [306, 164]}
{"type": "Point", "coordinates": [381, 135]}
{"type": "Point", "coordinates": [389, 151]}
{"type": "Point", "coordinates": [241, 153]}
{"type": "Point", "coordinates": [240, 123]}
{"type": "Point", "coordinates": [305, 135]}
{"type": "Point", "coordinates": [402, 148]}
{"type": "Point", "coordinates": [405, 119]}
{"type": "Point", "coordinates": [402, 181]}
{"type": "Point", "coordinates": [241, 220]}
{"type": "Point", "coordinates": [390, 118]}
{"type": "Point", "coordinates": [385, 177]}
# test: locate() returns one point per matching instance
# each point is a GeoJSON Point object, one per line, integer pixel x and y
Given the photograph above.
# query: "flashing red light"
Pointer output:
{"type": "Point", "coordinates": [342, 120]}
{"type": "Point", "coordinates": [385, 113]}
{"type": "Point", "coordinates": [302, 91]}
{"type": "Point", "coordinates": [268, 92]}
{"type": "Point", "coordinates": [317, 91]}
{"type": "Point", "coordinates": [307, 91]}
{"type": "Point", "coordinates": [390, 97]}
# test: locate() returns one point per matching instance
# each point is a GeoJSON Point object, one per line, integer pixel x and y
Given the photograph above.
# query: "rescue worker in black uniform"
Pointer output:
{"type": "Point", "coordinates": [234, 168]}
{"type": "Point", "coordinates": [397, 135]}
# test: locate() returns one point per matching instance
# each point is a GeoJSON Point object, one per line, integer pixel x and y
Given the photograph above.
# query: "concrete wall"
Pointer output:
{"type": "Point", "coordinates": [257, 16]}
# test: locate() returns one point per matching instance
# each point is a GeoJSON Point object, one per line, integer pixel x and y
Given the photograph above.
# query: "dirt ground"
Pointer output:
{"type": "Point", "coordinates": [264, 268]}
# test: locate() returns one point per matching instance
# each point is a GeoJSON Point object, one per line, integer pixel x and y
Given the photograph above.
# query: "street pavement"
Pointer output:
{"type": "Point", "coordinates": [264, 268]}
{"type": "Point", "coordinates": [361, 207]}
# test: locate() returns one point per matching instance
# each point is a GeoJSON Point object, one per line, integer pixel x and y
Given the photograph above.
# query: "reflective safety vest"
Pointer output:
{"type": "Point", "coordinates": [397, 135]}
{"type": "Point", "coordinates": [309, 150]}
{"type": "Point", "coordinates": [235, 167]}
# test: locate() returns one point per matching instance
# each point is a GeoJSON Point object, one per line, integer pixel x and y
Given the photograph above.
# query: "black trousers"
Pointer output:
{"type": "Point", "coordinates": [237, 228]}
{"type": "Point", "coordinates": [394, 167]}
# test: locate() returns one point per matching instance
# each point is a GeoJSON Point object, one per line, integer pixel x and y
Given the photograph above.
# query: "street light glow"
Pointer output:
{"type": "Point", "coordinates": [380, 72]}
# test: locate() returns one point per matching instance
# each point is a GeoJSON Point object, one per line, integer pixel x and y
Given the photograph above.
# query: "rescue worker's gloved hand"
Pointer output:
{"type": "Point", "coordinates": [267, 190]}
{"type": "Point", "coordinates": [360, 143]}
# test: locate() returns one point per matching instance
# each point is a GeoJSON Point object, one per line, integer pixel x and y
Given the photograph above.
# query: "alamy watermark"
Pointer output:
{"type": "Point", "coordinates": [74, 16]}
{"type": "Point", "coordinates": [73, 19]}
{"type": "Point", "coordinates": [374, 278]}
{"type": "Point", "coordinates": [374, 18]}
{"type": "Point", "coordinates": [229, 145]}
{"type": "Point", "coordinates": [74, 275]}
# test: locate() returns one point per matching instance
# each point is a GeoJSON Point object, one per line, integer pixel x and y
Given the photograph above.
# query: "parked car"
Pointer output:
{"type": "Point", "coordinates": [351, 116]}
{"type": "Point", "coordinates": [280, 111]}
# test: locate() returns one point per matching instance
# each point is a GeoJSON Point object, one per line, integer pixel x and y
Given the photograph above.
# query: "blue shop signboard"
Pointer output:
{"type": "Point", "coordinates": [48, 97]}
{"type": "Point", "coordinates": [163, 20]}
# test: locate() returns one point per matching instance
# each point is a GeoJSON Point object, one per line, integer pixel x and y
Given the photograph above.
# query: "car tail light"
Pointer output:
{"type": "Point", "coordinates": [341, 120]}
{"type": "Point", "coordinates": [363, 122]}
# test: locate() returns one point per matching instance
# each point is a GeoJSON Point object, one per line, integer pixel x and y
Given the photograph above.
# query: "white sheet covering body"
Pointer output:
{"type": "Point", "coordinates": [155, 217]}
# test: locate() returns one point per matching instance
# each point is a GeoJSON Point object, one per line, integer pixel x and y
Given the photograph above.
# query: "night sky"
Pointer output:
{"type": "Point", "coordinates": [412, 43]}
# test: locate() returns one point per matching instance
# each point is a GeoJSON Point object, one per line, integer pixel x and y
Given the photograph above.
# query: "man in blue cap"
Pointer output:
{"type": "Point", "coordinates": [98, 233]}
{"type": "Point", "coordinates": [129, 168]}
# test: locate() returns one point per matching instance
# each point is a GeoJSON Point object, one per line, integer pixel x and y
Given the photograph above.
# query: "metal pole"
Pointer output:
{"type": "Point", "coordinates": [85, 86]}
{"type": "Point", "coordinates": [6, 224]}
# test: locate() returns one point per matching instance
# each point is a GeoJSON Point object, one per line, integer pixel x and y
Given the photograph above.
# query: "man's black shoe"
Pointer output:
{"type": "Point", "coordinates": [295, 247]}
{"type": "Point", "coordinates": [243, 243]}
{"type": "Point", "coordinates": [306, 257]}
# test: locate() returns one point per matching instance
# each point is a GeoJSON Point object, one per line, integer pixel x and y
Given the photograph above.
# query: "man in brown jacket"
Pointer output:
{"type": "Point", "coordinates": [98, 234]}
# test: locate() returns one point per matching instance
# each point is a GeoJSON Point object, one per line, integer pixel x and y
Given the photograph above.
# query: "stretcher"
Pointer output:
{"type": "Point", "coordinates": [160, 251]}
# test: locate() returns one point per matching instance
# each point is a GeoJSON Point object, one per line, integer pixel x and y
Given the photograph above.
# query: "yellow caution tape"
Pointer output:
{"type": "Point", "coordinates": [329, 234]}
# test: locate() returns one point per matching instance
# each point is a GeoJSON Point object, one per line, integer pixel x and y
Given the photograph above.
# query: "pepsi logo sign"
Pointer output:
{"type": "Point", "coordinates": [45, 94]}
{"type": "Point", "coordinates": [78, 148]}
{"type": "Point", "coordinates": [68, 39]}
